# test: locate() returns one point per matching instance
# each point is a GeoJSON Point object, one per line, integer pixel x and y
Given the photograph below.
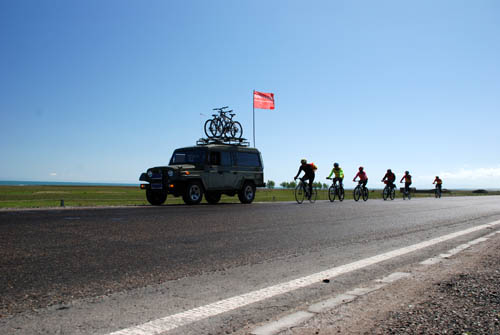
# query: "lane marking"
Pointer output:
{"type": "Point", "coordinates": [331, 303]}
{"type": "Point", "coordinates": [283, 323]}
{"type": "Point", "coordinates": [456, 250]}
{"type": "Point", "coordinates": [170, 322]}
{"type": "Point", "coordinates": [393, 277]}
{"type": "Point", "coordinates": [365, 290]}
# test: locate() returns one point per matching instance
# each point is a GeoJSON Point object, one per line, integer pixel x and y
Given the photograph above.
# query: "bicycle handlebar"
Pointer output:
{"type": "Point", "coordinates": [220, 109]}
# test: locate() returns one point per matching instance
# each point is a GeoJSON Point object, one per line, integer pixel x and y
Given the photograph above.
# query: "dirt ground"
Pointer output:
{"type": "Point", "coordinates": [460, 295]}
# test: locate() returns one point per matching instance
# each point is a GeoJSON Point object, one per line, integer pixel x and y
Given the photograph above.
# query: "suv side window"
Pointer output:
{"type": "Point", "coordinates": [247, 159]}
{"type": "Point", "coordinates": [220, 158]}
{"type": "Point", "coordinates": [214, 158]}
{"type": "Point", "coordinates": [225, 158]}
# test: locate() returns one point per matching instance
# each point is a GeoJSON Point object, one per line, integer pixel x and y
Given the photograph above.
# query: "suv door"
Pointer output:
{"type": "Point", "coordinates": [219, 164]}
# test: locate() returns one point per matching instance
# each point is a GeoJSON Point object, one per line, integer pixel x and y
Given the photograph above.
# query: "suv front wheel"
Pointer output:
{"type": "Point", "coordinates": [193, 193]}
{"type": "Point", "coordinates": [156, 198]}
{"type": "Point", "coordinates": [247, 193]}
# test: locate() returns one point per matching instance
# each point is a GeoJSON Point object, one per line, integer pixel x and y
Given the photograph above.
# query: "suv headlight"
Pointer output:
{"type": "Point", "coordinates": [150, 174]}
{"type": "Point", "coordinates": [170, 173]}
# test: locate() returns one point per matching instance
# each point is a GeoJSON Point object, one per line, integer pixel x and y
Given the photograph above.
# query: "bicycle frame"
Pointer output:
{"type": "Point", "coordinates": [361, 191]}
{"type": "Point", "coordinates": [304, 187]}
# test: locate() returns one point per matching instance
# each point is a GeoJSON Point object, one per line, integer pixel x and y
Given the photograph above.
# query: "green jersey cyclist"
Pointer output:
{"type": "Point", "coordinates": [339, 175]}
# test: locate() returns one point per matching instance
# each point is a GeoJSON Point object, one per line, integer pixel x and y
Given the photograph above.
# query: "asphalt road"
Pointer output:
{"type": "Point", "coordinates": [95, 271]}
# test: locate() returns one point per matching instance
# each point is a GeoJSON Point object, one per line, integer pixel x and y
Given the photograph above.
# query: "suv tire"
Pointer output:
{"type": "Point", "coordinates": [156, 198]}
{"type": "Point", "coordinates": [193, 193]}
{"type": "Point", "coordinates": [247, 193]}
{"type": "Point", "coordinates": [212, 197]}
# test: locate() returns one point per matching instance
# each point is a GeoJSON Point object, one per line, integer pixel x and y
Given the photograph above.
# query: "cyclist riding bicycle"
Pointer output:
{"type": "Point", "coordinates": [389, 179]}
{"type": "Point", "coordinates": [309, 174]}
{"type": "Point", "coordinates": [439, 183]}
{"type": "Point", "coordinates": [363, 178]}
{"type": "Point", "coordinates": [339, 174]}
{"type": "Point", "coordinates": [407, 179]}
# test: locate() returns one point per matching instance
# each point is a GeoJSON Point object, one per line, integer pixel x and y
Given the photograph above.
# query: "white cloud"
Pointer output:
{"type": "Point", "coordinates": [53, 174]}
{"type": "Point", "coordinates": [469, 178]}
{"type": "Point", "coordinates": [473, 174]}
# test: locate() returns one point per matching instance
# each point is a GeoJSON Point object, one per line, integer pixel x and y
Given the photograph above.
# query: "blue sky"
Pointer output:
{"type": "Point", "coordinates": [98, 91]}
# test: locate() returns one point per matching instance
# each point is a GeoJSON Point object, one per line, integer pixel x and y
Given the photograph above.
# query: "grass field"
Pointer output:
{"type": "Point", "coordinates": [78, 196]}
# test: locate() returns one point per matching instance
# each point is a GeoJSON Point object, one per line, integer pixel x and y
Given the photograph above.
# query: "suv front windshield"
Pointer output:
{"type": "Point", "coordinates": [195, 156]}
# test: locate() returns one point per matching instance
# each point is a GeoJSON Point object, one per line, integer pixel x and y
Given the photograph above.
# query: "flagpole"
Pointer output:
{"type": "Point", "coordinates": [253, 105]}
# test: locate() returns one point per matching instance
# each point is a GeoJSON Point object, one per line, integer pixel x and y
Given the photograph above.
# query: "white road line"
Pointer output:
{"type": "Point", "coordinates": [283, 323]}
{"type": "Point", "coordinates": [170, 322]}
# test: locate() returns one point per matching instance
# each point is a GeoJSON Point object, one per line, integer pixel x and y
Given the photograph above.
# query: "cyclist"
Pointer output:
{"type": "Point", "coordinates": [363, 178]}
{"type": "Point", "coordinates": [389, 179]}
{"type": "Point", "coordinates": [339, 174]}
{"type": "Point", "coordinates": [309, 174]}
{"type": "Point", "coordinates": [407, 179]}
{"type": "Point", "coordinates": [438, 183]}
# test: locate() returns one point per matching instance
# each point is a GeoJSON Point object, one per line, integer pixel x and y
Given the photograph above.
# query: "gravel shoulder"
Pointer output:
{"type": "Point", "coordinates": [460, 295]}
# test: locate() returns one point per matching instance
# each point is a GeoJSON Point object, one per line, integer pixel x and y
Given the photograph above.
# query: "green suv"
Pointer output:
{"type": "Point", "coordinates": [206, 169]}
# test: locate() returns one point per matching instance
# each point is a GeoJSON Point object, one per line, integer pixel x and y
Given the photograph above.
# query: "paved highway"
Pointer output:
{"type": "Point", "coordinates": [101, 270]}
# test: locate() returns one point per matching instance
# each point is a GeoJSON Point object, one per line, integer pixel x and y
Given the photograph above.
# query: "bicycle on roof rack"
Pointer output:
{"type": "Point", "coordinates": [222, 125]}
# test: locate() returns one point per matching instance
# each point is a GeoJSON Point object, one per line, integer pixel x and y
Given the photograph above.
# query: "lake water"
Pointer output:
{"type": "Point", "coordinates": [57, 183]}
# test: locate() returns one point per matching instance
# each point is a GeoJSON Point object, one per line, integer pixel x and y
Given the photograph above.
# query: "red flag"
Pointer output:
{"type": "Point", "coordinates": [263, 100]}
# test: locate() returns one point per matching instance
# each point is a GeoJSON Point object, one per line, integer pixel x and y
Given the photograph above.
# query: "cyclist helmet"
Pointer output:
{"type": "Point", "coordinates": [303, 161]}
{"type": "Point", "coordinates": [389, 170]}
{"type": "Point", "coordinates": [407, 172]}
{"type": "Point", "coordinates": [336, 165]}
{"type": "Point", "coordinates": [361, 168]}
{"type": "Point", "coordinates": [437, 177]}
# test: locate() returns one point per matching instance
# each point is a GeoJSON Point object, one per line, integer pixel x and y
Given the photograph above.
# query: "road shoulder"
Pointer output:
{"type": "Point", "coordinates": [458, 294]}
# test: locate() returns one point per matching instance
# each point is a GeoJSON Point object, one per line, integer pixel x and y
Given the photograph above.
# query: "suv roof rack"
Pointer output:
{"type": "Point", "coordinates": [228, 141]}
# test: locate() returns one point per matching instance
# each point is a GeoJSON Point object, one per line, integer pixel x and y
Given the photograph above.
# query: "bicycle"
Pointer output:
{"type": "Point", "coordinates": [389, 192]}
{"type": "Point", "coordinates": [437, 192]}
{"type": "Point", "coordinates": [335, 190]}
{"type": "Point", "coordinates": [302, 191]}
{"type": "Point", "coordinates": [230, 128]}
{"type": "Point", "coordinates": [222, 125]}
{"type": "Point", "coordinates": [213, 127]}
{"type": "Point", "coordinates": [360, 191]}
{"type": "Point", "coordinates": [406, 194]}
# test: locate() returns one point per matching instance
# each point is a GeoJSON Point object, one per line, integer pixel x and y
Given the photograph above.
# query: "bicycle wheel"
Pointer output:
{"type": "Point", "coordinates": [299, 193]}
{"type": "Point", "coordinates": [357, 193]}
{"type": "Point", "coordinates": [365, 194]}
{"type": "Point", "coordinates": [216, 127]}
{"type": "Point", "coordinates": [236, 129]}
{"type": "Point", "coordinates": [209, 128]}
{"type": "Point", "coordinates": [385, 193]}
{"type": "Point", "coordinates": [393, 194]}
{"type": "Point", "coordinates": [331, 193]}
{"type": "Point", "coordinates": [314, 195]}
{"type": "Point", "coordinates": [341, 193]}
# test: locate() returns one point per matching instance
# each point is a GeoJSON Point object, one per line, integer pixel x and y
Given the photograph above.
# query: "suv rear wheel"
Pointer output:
{"type": "Point", "coordinates": [247, 193]}
{"type": "Point", "coordinates": [156, 198]}
{"type": "Point", "coordinates": [193, 193]}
